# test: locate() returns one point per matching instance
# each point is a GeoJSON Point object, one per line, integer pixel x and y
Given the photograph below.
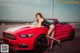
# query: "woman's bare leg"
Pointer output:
{"type": "Point", "coordinates": [52, 37]}
{"type": "Point", "coordinates": [51, 31]}
{"type": "Point", "coordinates": [51, 28]}
{"type": "Point", "coordinates": [52, 41]}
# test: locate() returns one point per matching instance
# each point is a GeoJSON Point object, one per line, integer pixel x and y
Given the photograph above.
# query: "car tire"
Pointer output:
{"type": "Point", "coordinates": [72, 35]}
{"type": "Point", "coordinates": [40, 44]}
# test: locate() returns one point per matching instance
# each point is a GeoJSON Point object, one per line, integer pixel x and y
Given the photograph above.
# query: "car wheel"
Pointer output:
{"type": "Point", "coordinates": [40, 44]}
{"type": "Point", "coordinates": [72, 34]}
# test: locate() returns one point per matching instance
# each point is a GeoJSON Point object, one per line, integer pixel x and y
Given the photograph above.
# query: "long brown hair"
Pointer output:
{"type": "Point", "coordinates": [41, 16]}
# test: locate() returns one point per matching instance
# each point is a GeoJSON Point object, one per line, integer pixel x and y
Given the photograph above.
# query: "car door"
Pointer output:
{"type": "Point", "coordinates": [61, 31]}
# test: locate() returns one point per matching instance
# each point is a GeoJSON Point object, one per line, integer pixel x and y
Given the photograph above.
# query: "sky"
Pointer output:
{"type": "Point", "coordinates": [25, 10]}
{"type": "Point", "coordinates": [67, 10]}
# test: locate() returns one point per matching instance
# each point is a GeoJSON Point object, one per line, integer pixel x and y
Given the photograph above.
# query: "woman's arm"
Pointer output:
{"type": "Point", "coordinates": [34, 23]}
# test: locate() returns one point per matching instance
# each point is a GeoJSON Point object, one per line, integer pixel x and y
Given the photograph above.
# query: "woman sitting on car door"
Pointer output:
{"type": "Point", "coordinates": [40, 21]}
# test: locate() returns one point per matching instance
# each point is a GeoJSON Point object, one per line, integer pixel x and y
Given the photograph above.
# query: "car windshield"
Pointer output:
{"type": "Point", "coordinates": [50, 21]}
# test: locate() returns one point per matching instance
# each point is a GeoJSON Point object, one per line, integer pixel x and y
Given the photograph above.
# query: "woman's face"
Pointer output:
{"type": "Point", "coordinates": [38, 17]}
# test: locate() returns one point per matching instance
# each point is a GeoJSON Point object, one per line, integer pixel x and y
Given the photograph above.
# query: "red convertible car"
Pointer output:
{"type": "Point", "coordinates": [28, 37]}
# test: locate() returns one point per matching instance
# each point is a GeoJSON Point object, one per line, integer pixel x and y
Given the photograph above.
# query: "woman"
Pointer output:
{"type": "Point", "coordinates": [42, 22]}
{"type": "Point", "coordinates": [38, 20]}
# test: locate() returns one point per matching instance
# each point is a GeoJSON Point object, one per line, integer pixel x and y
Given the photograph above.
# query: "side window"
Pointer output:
{"type": "Point", "coordinates": [50, 21]}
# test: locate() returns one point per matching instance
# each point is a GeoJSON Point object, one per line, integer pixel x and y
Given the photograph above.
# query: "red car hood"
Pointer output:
{"type": "Point", "coordinates": [19, 28]}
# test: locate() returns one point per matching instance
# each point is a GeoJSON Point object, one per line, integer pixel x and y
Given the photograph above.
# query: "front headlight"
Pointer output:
{"type": "Point", "coordinates": [26, 35]}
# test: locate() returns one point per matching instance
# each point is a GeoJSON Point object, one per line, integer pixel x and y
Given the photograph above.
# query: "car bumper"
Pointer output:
{"type": "Point", "coordinates": [19, 44]}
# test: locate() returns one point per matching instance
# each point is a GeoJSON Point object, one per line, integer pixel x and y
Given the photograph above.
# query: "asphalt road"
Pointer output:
{"type": "Point", "coordinates": [67, 46]}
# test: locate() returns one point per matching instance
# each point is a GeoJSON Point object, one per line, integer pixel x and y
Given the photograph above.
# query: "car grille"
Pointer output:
{"type": "Point", "coordinates": [7, 42]}
{"type": "Point", "coordinates": [9, 36]}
